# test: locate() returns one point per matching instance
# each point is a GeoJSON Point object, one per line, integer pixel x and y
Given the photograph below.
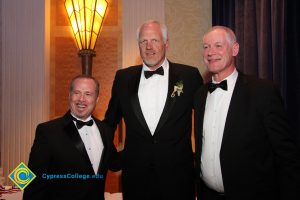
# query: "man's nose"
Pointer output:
{"type": "Point", "coordinates": [82, 97]}
{"type": "Point", "coordinates": [149, 45]}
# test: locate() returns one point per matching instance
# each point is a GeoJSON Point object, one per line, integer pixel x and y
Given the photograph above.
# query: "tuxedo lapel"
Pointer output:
{"type": "Point", "coordinates": [170, 101]}
{"type": "Point", "coordinates": [234, 106]}
{"type": "Point", "coordinates": [73, 134]}
{"type": "Point", "coordinates": [133, 90]}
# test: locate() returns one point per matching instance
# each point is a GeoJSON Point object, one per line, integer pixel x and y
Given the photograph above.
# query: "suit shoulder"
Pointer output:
{"type": "Point", "coordinates": [130, 69]}
{"type": "Point", "coordinates": [261, 88]}
{"type": "Point", "coordinates": [101, 123]}
{"type": "Point", "coordinates": [189, 73]}
{"type": "Point", "coordinates": [127, 73]}
{"type": "Point", "coordinates": [258, 83]}
{"type": "Point", "coordinates": [52, 123]}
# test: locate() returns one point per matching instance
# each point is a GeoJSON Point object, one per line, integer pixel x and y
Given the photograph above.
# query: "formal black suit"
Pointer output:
{"type": "Point", "coordinates": [259, 159]}
{"type": "Point", "coordinates": [159, 166]}
{"type": "Point", "coordinates": [58, 149]}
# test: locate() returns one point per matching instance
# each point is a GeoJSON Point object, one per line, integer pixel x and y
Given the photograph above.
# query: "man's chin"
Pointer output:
{"type": "Point", "coordinates": [81, 115]}
{"type": "Point", "coordinates": [151, 64]}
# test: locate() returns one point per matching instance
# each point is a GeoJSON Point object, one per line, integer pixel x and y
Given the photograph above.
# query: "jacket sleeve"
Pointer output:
{"type": "Point", "coordinates": [114, 161]}
{"type": "Point", "coordinates": [113, 113]}
{"type": "Point", "coordinates": [39, 161]}
{"type": "Point", "coordinates": [287, 154]}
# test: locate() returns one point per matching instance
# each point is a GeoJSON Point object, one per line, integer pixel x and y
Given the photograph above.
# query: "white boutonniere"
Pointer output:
{"type": "Point", "coordinates": [178, 88]}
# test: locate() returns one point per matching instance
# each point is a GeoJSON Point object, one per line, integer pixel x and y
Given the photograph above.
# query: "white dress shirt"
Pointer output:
{"type": "Point", "coordinates": [90, 136]}
{"type": "Point", "coordinates": [153, 94]}
{"type": "Point", "coordinates": [216, 109]}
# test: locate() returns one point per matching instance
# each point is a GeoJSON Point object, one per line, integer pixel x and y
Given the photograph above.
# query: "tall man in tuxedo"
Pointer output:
{"type": "Point", "coordinates": [156, 100]}
{"type": "Point", "coordinates": [76, 149]}
{"type": "Point", "coordinates": [244, 149]}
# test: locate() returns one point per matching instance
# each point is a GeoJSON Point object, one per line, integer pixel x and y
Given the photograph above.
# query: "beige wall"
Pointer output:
{"type": "Point", "coordinates": [187, 21]}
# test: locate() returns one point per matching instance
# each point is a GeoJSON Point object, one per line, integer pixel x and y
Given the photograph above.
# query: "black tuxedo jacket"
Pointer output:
{"type": "Point", "coordinates": [259, 159]}
{"type": "Point", "coordinates": [59, 150]}
{"type": "Point", "coordinates": [159, 166]}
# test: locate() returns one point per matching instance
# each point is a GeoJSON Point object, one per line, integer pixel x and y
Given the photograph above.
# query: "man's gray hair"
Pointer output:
{"type": "Point", "coordinates": [231, 38]}
{"type": "Point", "coordinates": [163, 28]}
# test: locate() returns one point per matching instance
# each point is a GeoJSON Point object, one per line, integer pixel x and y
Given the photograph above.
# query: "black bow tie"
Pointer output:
{"type": "Point", "coordinates": [80, 124]}
{"type": "Point", "coordinates": [213, 86]}
{"type": "Point", "coordinates": [159, 71]}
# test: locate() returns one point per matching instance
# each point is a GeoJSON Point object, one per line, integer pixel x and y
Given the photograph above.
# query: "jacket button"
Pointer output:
{"type": "Point", "coordinates": [155, 141]}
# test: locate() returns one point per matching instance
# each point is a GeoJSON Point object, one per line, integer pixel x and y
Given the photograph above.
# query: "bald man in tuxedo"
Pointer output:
{"type": "Point", "coordinates": [244, 148]}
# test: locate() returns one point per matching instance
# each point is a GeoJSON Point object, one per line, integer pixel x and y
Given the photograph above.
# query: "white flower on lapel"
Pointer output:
{"type": "Point", "coordinates": [178, 88]}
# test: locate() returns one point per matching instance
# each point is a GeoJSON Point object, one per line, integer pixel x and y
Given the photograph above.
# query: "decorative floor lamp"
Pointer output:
{"type": "Point", "coordinates": [86, 17]}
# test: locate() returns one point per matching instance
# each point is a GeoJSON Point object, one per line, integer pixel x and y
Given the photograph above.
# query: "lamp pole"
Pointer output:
{"type": "Point", "coordinates": [86, 60]}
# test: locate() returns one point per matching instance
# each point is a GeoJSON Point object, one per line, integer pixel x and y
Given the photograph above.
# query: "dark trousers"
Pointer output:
{"type": "Point", "coordinates": [205, 193]}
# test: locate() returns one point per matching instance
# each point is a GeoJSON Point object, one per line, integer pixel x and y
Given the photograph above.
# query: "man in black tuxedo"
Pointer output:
{"type": "Point", "coordinates": [156, 100]}
{"type": "Point", "coordinates": [244, 149]}
{"type": "Point", "coordinates": [76, 150]}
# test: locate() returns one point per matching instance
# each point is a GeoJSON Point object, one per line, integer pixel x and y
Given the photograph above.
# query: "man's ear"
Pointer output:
{"type": "Point", "coordinates": [167, 44]}
{"type": "Point", "coordinates": [235, 49]}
